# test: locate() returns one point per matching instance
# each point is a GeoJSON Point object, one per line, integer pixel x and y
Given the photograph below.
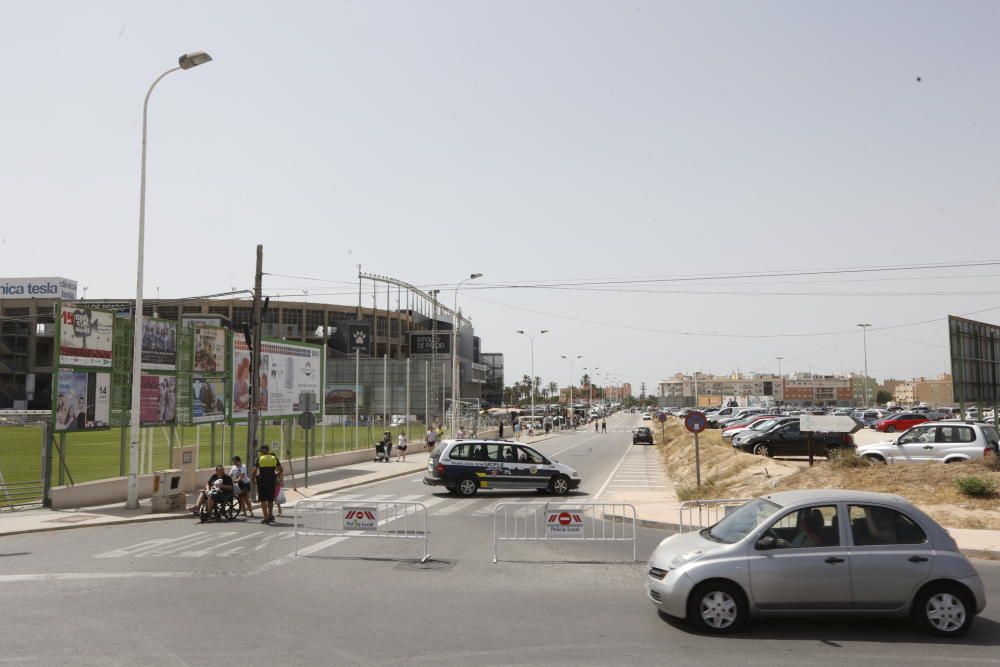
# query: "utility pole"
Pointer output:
{"type": "Point", "coordinates": [434, 346]}
{"type": "Point", "coordinates": [255, 327]}
{"type": "Point", "coordinates": [864, 335]}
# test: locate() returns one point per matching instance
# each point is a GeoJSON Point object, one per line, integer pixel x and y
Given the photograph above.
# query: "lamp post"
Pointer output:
{"type": "Point", "coordinates": [186, 61]}
{"type": "Point", "coordinates": [570, 359]}
{"type": "Point", "coordinates": [455, 379]}
{"type": "Point", "coordinates": [531, 389]}
{"type": "Point", "coordinates": [864, 336]}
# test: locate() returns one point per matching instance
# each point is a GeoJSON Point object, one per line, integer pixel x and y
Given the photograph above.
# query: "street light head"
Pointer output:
{"type": "Point", "coordinates": [475, 275]}
{"type": "Point", "coordinates": [519, 331]}
{"type": "Point", "coordinates": [563, 356]}
{"type": "Point", "coordinates": [864, 325]}
{"type": "Point", "coordinates": [193, 59]}
{"type": "Point", "coordinates": [543, 331]}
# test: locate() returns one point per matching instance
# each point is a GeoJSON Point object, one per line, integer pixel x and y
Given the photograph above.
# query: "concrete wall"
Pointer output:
{"type": "Point", "coordinates": [115, 489]}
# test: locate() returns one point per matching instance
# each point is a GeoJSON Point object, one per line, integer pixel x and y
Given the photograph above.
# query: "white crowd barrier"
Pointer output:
{"type": "Point", "coordinates": [565, 521]}
{"type": "Point", "coordinates": [362, 518]}
{"type": "Point", "coordinates": [698, 514]}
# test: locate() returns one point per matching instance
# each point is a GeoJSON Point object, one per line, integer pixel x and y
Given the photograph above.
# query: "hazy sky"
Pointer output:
{"type": "Point", "coordinates": [531, 141]}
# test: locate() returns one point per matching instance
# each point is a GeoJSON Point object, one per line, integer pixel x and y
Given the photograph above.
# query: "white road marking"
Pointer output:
{"type": "Point", "coordinates": [66, 576]}
{"type": "Point", "coordinates": [150, 545]}
{"type": "Point", "coordinates": [204, 552]}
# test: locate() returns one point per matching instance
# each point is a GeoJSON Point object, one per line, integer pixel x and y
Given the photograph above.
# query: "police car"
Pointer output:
{"type": "Point", "coordinates": [466, 466]}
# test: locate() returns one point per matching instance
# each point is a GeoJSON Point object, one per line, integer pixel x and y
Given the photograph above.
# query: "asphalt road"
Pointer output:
{"type": "Point", "coordinates": [178, 593]}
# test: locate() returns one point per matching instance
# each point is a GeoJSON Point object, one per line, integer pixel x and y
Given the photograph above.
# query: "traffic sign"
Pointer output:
{"type": "Point", "coordinates": [662, 416]}
{"type": "Point", "coordinates": [307, 420]}
{"type": "Point", "coordinates": [829, 424]}
{"type": "Point", "coordinates": [361, 517]}
{"type": "Point", "coordinates": [695, 422]}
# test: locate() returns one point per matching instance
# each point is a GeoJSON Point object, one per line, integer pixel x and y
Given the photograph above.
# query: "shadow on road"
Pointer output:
{"type": "Point", "coordinates": [832, 631]}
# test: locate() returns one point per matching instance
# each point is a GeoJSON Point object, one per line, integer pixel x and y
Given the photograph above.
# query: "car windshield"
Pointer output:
{"type": "Point", "coordinates": [764, 424]}
{"type": "Point", "coordinates": [742, 521]}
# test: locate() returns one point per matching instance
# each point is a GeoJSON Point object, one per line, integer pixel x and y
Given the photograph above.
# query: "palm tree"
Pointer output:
{"type": "Point", "coordinates": [537, 386]}
{"type": "Point", "coordinates": [585, 380]}
{"type": "Point", "coordinates": [553, 388]}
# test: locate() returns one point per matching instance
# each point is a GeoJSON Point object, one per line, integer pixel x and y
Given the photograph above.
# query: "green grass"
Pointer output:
{"type": "Point", "coordinates": [94, 455]}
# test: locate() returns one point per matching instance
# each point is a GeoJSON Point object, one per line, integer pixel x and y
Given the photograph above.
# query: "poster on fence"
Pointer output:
{"type": "Point", "coordinates": [564, 523]}
{"type": "Point", "coordinates": [85, 337]}
{"type": "Point", "coordinates": [157, 399]}
{"type": "Point", "coordinates": [208, 399]}
{"type": "Point", "coordinates": [340, 398]}
{"type": "Point", "coordinates": [159, 344]}
{"type": "Point", "coordinates": [210, 349]}
{"type": "Point", "coordinates": [288, 372]}
{"type": "Point", "coordinates": [82, 400]}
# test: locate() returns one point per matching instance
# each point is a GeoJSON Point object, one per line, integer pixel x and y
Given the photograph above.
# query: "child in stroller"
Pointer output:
{"type": "Point", "coordinates": [383, 448]}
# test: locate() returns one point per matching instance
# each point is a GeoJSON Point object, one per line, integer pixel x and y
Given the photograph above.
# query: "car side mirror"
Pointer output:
{"type": "Point", "coordinates": [766, 543]}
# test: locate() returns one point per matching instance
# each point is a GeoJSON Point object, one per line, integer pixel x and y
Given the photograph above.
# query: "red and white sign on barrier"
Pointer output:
{"type": "Point", "coordinates": [565, 523]}
{"type": "Point", "coordinates": [361, 518]}
{"type": "Point", "coordinates": [390, 519]}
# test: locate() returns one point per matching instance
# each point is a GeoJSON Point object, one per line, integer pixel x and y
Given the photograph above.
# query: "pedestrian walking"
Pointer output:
{"type": "Point", "coordinates": [401, 446]}
{"type": "Point", "coordinates": [266, 471]}
{"type": "Point", "coordinates": [431, 438]}
{"type": "Point", "coordinates": [242, 489]}
{"type": "Point", "coordinates": [517, 430]}
{"type": "Point", "coordinates": [604, 426]}
{"type": "Point", "coordinates": [500, 429]}
{"type": "Point", "coordinates": [387, 443]}
{"type": "Point", "coordinates": [279, 492]}
{"type": "Point", "coordinates": [597, 426]}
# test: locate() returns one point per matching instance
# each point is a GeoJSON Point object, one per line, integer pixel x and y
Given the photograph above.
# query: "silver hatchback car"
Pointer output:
{"type": "Point", "coordinates": [817, 552]}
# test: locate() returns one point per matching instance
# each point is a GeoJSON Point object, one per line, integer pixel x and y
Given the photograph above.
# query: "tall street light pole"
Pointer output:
{"type": "Point", "coordinates": [571, 359]}
{"type": "Point", "coordinates": [864, 336]}
{"type": "Point", "coordinates": [531, 388]}
{"type": "Point", "coordinates": [186, 61]}
{"type": "Point", "coordinates": [455, 379]}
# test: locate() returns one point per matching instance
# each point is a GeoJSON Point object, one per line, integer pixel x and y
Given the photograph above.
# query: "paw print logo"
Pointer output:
{"type": "Point", "coordinates": [360, 337]}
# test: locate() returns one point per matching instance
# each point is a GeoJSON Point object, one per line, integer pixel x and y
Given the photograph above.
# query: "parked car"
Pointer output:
{"type": "Point", "coordinates": [642, 435]}
{"type": "Point", "coordinates": [762, 426]}
{"type": "Point", "coordinates": [817, 551]}
{"type": "Point", "coordinates": [940, 442]}
{"type": "Point", "coordinates": [646, 417]}
{"type": "Point", "coordinates": [789, 440]}
{"type": "Point", "coordinates": [898, 422]}
{"type": "Point", "coordinates": [738, 427]}
{"type": "Point", "coordinates": [867, 417]}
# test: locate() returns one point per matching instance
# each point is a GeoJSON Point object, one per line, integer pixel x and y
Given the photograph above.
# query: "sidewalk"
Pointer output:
{"type": "Point", "coordinates": [37, 520]}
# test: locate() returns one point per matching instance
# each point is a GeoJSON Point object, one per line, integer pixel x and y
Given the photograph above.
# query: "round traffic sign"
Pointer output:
{"type": "Point", "coordinates": [662, 416]}
{"type": "Point", "coordinates": [695, 422]}
{"type": "Point", "coordinates": [564, 519]}
{"type": "Point", "coordinates": [307, 420]}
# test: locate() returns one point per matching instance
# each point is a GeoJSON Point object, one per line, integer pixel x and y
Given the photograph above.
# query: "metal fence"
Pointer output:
{"type": "Point", "coordinates": [698, 514]}
{"type": "Point", "coordinates": [565, 521]}
{"type": "Point", "coordinates": [24, 461]}
{"type": "Point", "coordinates": [362, 518]}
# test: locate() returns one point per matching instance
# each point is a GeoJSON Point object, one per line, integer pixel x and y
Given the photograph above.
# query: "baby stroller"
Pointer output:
{"type": "Point", "coordinates": [380, 452]}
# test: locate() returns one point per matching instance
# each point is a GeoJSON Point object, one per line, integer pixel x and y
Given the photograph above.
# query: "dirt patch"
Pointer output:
{"type": "Point", "coordinates": [727, 473]}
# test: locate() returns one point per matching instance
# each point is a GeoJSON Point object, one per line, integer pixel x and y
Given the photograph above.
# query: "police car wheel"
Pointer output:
{"type": "Point", "coordinates": [467, 487]}
{"type": "Point", "coordinates": [559, 485]}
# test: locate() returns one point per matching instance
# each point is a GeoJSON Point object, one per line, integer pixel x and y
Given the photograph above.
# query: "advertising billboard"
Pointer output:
{"type": "Point", "coordinates": [287, 371]}
{"type": "Point", "coordinates": [340, 398]}
{"type": "Point", "coordinates": [209, 349]}
{"type": "Point", "coordinates": [39, 288]}
{"type": "Point", "coordinates": [85, 337]}
{"type": "Point", "coordinates": [359, 338]}
{"type": "Point", "coordinates": [975, 360]}
{"type": "Point", "coordinates": [208, 399]}
{"type": "Point", "coordinates": [82, 400]}
{"type": "Point", "coordinates": [423, 343]}
{"type": "Point", "coordinates": [159, 344]}
{"type": "Point", "coordinates": [157, 399]}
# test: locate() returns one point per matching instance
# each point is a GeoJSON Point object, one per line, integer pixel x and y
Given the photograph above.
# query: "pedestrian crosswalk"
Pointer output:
{"type": "Point", "coordinates": [640, 472]}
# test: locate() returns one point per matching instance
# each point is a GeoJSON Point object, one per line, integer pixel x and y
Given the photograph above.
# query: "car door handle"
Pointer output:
{"type": "Point", "coordinates": [917, 559]}
{"type": "Point", "coordinates": [928, 446]}
{"type": "Point", "coordinates": [832, 560]}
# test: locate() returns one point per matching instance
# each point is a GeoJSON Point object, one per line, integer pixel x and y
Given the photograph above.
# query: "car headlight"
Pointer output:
{"type": "Point", "coordinates": [685, 558]}
{"type": "Point", "coordinates": [576, 474]}
{"type": "Point", "coordinates": [658, 573]}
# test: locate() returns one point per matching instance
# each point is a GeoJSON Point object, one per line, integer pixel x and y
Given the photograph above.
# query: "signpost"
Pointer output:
{"type": "Point", "coordinates": [827, 424]}
{"type": "Point", "coordinates": [662, 417]}
{"type": "Point", "coordinates": [695, 422]}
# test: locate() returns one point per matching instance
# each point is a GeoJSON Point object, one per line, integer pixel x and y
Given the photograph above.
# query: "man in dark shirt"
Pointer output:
{"type": "Point", "coordinates": [213, 492]}
{"type": "Point", "coordinates": [266, 471]}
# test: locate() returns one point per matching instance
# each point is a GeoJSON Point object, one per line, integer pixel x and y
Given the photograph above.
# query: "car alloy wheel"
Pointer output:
{"type": "Point", "coordinates": [718, 610]}
{"type": "Point", "coordinates": [468, 486]}
{"type": "Point", "coordinates": [761, 450]}
{"type": "Point", "coordinates": [890, 429]}
{"type": "Point", "coordinates": [559, 485]}
{"type": "Point", "coordinates": [945, 612]}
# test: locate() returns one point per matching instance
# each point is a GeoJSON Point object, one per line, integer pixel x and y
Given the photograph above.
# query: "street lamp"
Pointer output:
{"type": "Point", "coordinates": [186, 61]}
{"type": "Point", "coordinates": [570, 359]}
{"type": "Point", "coordinates": [531, 388]}
{"type": "Point", "coordinates": [864, 336]}
{"type": "Point", "coordinates": [456, 322]}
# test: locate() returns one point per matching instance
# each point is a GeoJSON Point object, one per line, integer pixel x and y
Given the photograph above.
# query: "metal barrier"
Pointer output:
{"type": "Point", "coordinates": [565, 521]}
{"type": "Point", "coordinates": [710, 512]}
{"type": "Point", "coordinates": [362, 518]}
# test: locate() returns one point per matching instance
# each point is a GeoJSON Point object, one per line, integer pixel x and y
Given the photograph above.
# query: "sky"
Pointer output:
{"type": "Point", "coordinates": [539, 143]}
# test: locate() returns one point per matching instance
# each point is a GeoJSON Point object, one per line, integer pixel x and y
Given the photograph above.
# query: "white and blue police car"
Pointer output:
{"type": "Point", "coordinates": [466, 466]}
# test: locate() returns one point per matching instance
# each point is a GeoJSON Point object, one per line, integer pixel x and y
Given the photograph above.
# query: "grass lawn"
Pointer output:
{"type": "Point", "coordinates": [93, 455]}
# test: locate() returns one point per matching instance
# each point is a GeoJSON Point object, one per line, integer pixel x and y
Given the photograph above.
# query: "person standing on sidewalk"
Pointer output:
{"type": "Point", "coordinates": [401, 446]}
{"type": "Point", "coordinates": [517, 430]}
{"type": "Point", "coordinates": [597, 426]}
{"type": "Point", "coordinates": [431, 438]}
{"type": "Point", "coordinates": [604, 426]}
{"type": "Point", "coordinates": [242, 486]}
{"type": "Point", "coordinates": [266, 471]}
{"type": "Point", "coordinates": [387, 443]}
{"type": "Point", "coordinates": [500, 430]}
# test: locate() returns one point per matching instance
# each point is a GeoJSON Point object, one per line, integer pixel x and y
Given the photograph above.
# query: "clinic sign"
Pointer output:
{"type": "Point", "coordinates": [37, 288]}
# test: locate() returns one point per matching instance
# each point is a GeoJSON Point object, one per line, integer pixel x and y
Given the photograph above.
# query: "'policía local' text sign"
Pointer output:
{"type": "Point", "coordinates": [361, 518]}
{"type": "Point", "coordinates": [564, 523]}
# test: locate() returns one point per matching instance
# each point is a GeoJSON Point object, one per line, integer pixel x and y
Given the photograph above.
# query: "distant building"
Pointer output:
{"type": "Point", "coordinates": [935, 392]}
